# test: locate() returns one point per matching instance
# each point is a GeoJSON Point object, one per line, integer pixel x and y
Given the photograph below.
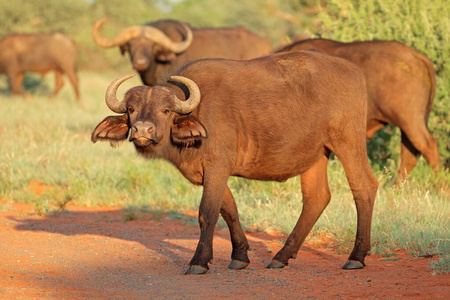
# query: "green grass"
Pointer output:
{"type": "Point", "coordinates": [49, 142]}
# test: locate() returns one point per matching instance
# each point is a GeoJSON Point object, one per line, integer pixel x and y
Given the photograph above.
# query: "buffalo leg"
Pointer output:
{"type": "Point", "coordinates": [229, 212]}
{"type": "Point", "coordinates": [408, 157]}
{"type": "Point", "coordinates": [316, 196]}
{"type": "Point", "coordinates": [74, 80]}
{"type": "Point", "coordinates": [58, 83]}
{"type": "Point", "coordinates": [364, 188]}
{"type": "Point", "coordinates": [214, 186]}
{"type": "Point", "coordinates": [372, 127]}
{"type": "Point", "coordinates": [414, 142]}
{"type": "Point", "coordinates": [15, 82]}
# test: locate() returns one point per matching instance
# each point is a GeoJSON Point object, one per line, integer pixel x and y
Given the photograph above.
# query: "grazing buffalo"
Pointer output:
{"type": "Point", "coordinates": [269, 118]}
{"type": "Point", "coordinates": [39, 53]}
{"type": "Point", "coordinates": [159, 48]}
{"type": "Point", "coordinates": [400, 83]}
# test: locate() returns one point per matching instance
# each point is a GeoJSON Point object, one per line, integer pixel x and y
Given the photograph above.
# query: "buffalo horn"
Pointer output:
{"type": "Point", "coordinates": [185, 107]}
{"type": "Point", "coordinates": [123, 37]}
{"type": "Point", "coordinates": [159, 37]}
{"type": "Point", "coordinates": [110, 97]}
{"type": "Point", "coordinates": [149, 32]}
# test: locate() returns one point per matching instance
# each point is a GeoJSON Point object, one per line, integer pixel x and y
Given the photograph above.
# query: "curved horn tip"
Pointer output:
{"type": "Point", "coordinates": [122, 79]}
{"type": "Point", "coordinates": [119, 80]}
{"type": "Point", "coordinates": [175, 77]}
{"type": "Point", "coordinates": [158, 36]}
{"type": "Point", "coordinates": [110, 96]}
{"type": "Point", "coordinates": [100, 21]}
{"type": "Point", "coordinates": [127, 76]}
{"type": "Point", "coordinates": [184, 107]}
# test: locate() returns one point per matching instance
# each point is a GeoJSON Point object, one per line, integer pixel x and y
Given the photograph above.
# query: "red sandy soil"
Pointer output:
{"type": "Point", "coordinates": [92, 253]}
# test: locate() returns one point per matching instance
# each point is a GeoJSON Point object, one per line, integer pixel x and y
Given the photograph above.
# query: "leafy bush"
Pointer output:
{"type": "Point", "coordinates": [420, 24]}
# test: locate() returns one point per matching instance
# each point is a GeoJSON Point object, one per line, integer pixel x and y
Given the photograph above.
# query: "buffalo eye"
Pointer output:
{"type": "Point", "coordinates": [130, 110]}
{"type": "Point", "coordinates": [165, 111]}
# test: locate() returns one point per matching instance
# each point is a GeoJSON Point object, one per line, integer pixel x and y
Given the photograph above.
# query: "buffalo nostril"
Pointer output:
{"type": "Point", "coordinates": [150, 129]}
{"type": "Point", "coordinates": [134, 129]}
{"type": "Point", "coordinates": [140, 64]}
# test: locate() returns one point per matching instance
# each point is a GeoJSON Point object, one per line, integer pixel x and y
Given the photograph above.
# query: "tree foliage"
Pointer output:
{"type": "Point", "coordinates": [421, 24]}
{"type": "Point", "coordinates": [273, 18]}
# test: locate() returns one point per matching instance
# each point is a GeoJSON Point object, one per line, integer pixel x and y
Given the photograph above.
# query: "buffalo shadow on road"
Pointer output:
{"type": "Point", "coordinates": [111, 223]}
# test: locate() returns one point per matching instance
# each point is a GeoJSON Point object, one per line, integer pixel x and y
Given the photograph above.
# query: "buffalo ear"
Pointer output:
{"type": "Point", "coordinates": [124, 48]}
{"type": "Point", "coordinates": [187, 131]}
{"type": "Point", "coordinates": [113, 129]}
{"type": "Point", "coordinates": [164, 56]}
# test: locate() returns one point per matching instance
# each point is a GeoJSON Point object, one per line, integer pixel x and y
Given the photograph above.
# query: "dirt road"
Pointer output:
{"type": "Point", "coordinates": [91, 253]}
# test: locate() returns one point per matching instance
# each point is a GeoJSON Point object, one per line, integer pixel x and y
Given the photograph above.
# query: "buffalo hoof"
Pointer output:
{"type": "Point", "coordinates": [275, 264]}
{"type": "Point", "coordinates": [237, 265]}
{"type": "Point", "coordinates": [352, 265]}
{"type": "Point", "coordinates": [195, 270]}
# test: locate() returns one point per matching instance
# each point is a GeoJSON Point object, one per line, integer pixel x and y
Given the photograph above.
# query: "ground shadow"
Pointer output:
{"type": "Point", "coordinates": [92, 253]}
{"type": "Point", "coordinates": [112, 224]}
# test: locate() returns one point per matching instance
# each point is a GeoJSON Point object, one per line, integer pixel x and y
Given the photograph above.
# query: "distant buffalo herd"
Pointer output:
{"type": "Point", "coordinates": [220, 102]}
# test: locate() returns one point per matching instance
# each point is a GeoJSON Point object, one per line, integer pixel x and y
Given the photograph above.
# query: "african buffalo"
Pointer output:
{"type": "Point", "coordinates": [400, 83]}
{"type": "Point", "coordinates": [159, 48]}
{"type": "Point", "coordinates": [41, 52]}
{"type": "Point", "coordinates": [269, 118]}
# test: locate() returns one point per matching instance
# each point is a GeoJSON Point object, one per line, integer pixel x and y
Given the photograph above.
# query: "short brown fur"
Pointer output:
{"type": "Point", "coordinates": [401, 85]}
{"type": "Point", "coordinates": [269, 118]}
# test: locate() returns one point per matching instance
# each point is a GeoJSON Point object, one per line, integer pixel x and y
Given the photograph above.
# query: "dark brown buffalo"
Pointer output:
{"type": "Point", "coordinates": [400, 83]}
{"type": "Point", "coordinates": [270, 118]}
{"type": "Point", "coordinates": [41, 53]}
{"type": "Point", "coordinates": [160, 48]}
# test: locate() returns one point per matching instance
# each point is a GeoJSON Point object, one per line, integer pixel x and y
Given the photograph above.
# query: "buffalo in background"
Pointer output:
{"type": "Point", "coordinates": [160, 48]}
{"type": "Point", "coordinates": [269, 118]}
{"type": "Point", "coordinates": [41, 53]}
{"type": "Point", "coordinates": [401, 85]}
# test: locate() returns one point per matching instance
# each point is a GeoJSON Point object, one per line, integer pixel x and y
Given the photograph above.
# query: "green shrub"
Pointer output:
{"type": "Point", "coordinates": [420, 24]}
